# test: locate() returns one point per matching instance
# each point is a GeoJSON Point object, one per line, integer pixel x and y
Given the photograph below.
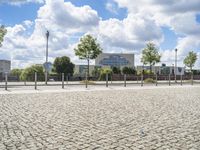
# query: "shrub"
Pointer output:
{"type": "Point", "coordinates": [128, 70]}
{"type": "Point", "coordinates": [29, 73]}
{"type": "Point", "coordinates": [116, 70]}
{"type": "Point", "coordinates": [103, 73]}
{"type": "Point", "coordinates": [149, 80]}
{"type": "Point", "coordinates": [145, 72]}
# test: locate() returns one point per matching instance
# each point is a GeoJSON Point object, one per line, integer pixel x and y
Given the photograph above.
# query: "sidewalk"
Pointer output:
{"type": "Point", "coordinates": [82, 88]}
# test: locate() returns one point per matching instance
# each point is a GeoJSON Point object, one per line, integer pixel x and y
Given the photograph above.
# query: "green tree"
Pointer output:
{"type": "Point", "coordinates": [96, 71]}
{"type": "Point", "coordinates": [88, 49]}
{"type": "Point", "coordinates": [116, 70]}
{"type": "Point", "coordinates": [103, 73]}
{"type": "Point", "coordinates": [128, 70]}
{"type": "Point", "coordinates": [63, 65]}
{"type": "Point", "coordinates": [29, 73]}
{"type": "Point", "coordinates": [3, 32]}
{"type": "Point", "coordinates": [190, 60]}
{"type": "Point", "coordinates": [150, 55]}
{"type": "Point", "coordinates": [16, 72]}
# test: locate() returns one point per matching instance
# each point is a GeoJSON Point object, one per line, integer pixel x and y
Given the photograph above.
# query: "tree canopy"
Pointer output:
{"type": "Point", "coordinates": [128, 70]}
{"type": "Point", "coordinates": [190, 59]}
{"type": "Point", "coordinates": [150, 55]}
{"type": "Point", "coordinates": [116, 70]}
{"type": "Point", "coordinates": [63, 65]}
{"type": "Point", "coordinates": [16, 72]}
{"type": "Point", "coordinates": [88, 48]}
{"type": "Point", "coordinates": [3, 32]}
{"type": "Point", "coordinates": [29, 73]}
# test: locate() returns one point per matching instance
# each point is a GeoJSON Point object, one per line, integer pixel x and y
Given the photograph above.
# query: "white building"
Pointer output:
{"type": "Point", "coordinates": [164, 70]}
{"type": "Point", "coordinates": [116, 60]}
{"type": "Point", "coordinates": [80, 70]}
{"type": "Point", "coordinates": [5, 66]}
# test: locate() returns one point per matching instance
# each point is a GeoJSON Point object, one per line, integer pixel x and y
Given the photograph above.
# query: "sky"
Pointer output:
{"type": "Point", "coordinates": [121, 26]}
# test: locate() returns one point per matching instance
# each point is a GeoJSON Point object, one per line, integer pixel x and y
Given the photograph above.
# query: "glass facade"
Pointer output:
{"type": "Point", "coordinates": [114, 60]}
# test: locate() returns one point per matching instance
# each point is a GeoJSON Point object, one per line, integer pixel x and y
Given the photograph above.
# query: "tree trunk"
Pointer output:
{"type": "Point", "coordinates": [150, 68]}
{"type": "Point", "coordinates": [88, 69]}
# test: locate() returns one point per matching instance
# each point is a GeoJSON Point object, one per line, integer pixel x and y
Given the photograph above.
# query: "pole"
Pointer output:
{"type": "Point", "coordinates": [142, 79]}
{"type": "Point", "coordinates": [46, 77]}
{"type": "Point", "coordinates": [181, 79]}
{"type": "Point", "coordinates": [63, 79]}
{"type": "Point", "coordinates": [67, 79]}
{"type": "Point", "coordinates": [124, 80]}
{"type": "Point", "coordinates": [156, 79]}
{"type": "Point", "coordinates": [169, 80]}
{"type": "Point", "coordinates": [175, 70]}
{"type": "Point", "coordinates": [47, 46]}
{"type": "Point", "coordinates": [106, 79]}
{"type": "Point", "coordinates": [192, 78]}
{"type": "Point", "coordinates": [6, 81]}
{"type": "Point", "coordinates": [35, 80]}
{"type": "Point", "coordinates": [86, 80]}
{"type": "Point", "coordinates": [111, 78]}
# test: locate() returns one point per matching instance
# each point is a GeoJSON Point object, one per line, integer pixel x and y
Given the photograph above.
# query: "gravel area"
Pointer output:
{"type": "Point", "coordinates": [165, 118]}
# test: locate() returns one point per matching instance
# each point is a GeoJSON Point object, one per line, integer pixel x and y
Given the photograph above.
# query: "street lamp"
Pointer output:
{"type": "Point", "coordinates": [47, 36]}
{"type": "Point", "coordinates": [175, 69]}
{"type": "Point", "coordinates": [47, 44]}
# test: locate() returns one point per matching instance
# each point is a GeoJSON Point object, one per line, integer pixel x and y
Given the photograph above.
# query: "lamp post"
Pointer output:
{"type": "Point", "coordinates": [47, 44]}
{"type": "Point", "coordinates": [175, 69]}
{"type": "Point", "coordinates": [47, 36]}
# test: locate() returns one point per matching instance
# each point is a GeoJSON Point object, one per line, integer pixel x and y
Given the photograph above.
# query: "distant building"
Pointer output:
{"type": "Point", "coordinates": [115, 60]}
{"type": "Point", "coordinates": [80, 70]}
{"type": "Point", "coordinates": [164, 70]}
{"type": "Point", "coordinates": [5, 66]}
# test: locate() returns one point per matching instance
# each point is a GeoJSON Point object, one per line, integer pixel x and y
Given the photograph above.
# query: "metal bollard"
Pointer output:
{"type": "Point", "coordinates": [67, 79]}
{"type": "Point", "coordinates": [106, 79]}
{"type": "Point", "coordinates": [181, 79]}
{"type": "Point", "coordinates": [142, 79]}
{"type": "Point", "coordinates": [63, 79]}
{"type": "Point", "coordinates": [46, 77]}
{"type": "Point", "coordinates": [169, 80]}
{"type": "Point", "coordinates": [192, 78]}
{"type": "Point", "coordinates": [35, 80]}
{"type": "Point", "coordinates": [6, 81]}
{"type": "Point", "coordinates": [156, 80]}
{"type": "Point", "coordinates": [111, 78]}
{"type": "Point", "coordinates": [86, 80]}
{"type": "Point", "coordinates": [124, 80]}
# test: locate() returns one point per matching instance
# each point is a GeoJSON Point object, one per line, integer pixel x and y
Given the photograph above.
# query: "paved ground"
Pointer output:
{"type": "Point", "coordinates": [151, 118]}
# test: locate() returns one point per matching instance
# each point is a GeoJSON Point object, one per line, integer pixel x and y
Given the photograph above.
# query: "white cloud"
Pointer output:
{"type": "Point", "coordinates": [112, 7]}
{"type": "Point", "coordinates": [25, 42]}
{"type": "Point", "coordinates": [180, 16]}
{"type": "Point", "coordinates": [63, 23]}
{"type": "Point", "coordinates": [131, 33]}
{"type": "Point", "coordinates": [20, 2]}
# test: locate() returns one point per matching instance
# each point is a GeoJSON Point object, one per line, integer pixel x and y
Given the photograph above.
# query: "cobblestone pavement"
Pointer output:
{"type": "Point", "coordinates": [121, 119]}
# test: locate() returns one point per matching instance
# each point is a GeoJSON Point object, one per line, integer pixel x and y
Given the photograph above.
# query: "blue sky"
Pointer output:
{"type": "Point", "coordinates": [120, 26]}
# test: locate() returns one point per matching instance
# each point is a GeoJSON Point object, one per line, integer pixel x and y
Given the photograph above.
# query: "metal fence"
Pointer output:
{"type": "Point", "coordinates": [36, 80]}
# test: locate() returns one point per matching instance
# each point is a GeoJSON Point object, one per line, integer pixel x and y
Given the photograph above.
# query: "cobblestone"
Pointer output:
{"type": "Point", "coordinates": [135, 119]}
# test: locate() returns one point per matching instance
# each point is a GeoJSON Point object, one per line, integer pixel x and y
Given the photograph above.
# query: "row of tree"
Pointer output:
{"type": "Point", "coordinates": [88, 48]}
{"type": "Point", "coordinates": [60, 65]}
{"type": "Point", "coordinates": [151, 56]}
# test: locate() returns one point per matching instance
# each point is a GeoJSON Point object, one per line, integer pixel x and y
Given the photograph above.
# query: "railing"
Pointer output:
{"type": "Point", "coordinates": [37, 80]}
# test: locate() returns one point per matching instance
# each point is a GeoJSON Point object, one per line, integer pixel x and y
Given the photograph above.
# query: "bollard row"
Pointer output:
{"type": "Point", "coordinates": [106, 80]}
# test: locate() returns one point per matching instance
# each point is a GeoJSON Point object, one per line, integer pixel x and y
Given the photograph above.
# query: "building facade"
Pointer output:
{"type": "Point", "coordinates": [115, 60]}
{"type": "Point", "coordinates": [5, 66]}
{"type": "Point", "coordinates": [163, 70]}
{"type": "Point", "coordinates": [80, 70]}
